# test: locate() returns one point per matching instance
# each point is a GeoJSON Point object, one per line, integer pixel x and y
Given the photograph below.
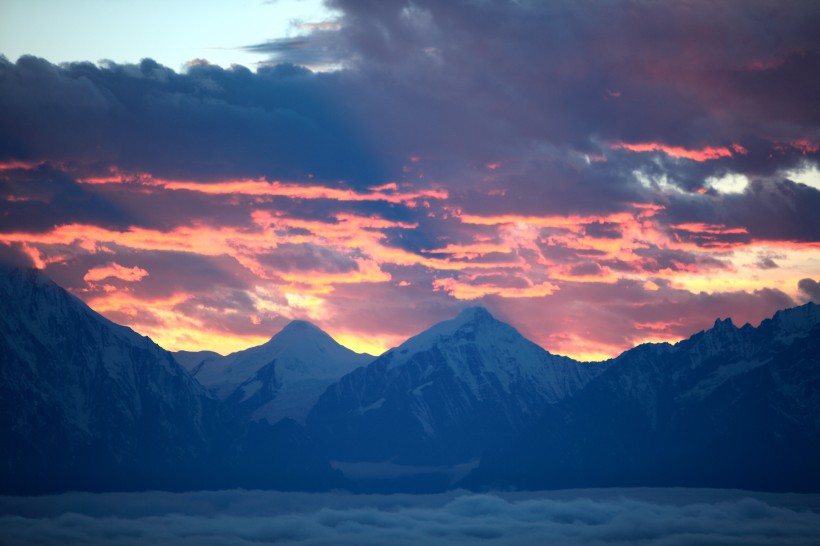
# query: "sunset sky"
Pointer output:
{"type": "Point", "coordinates": [597, 174]}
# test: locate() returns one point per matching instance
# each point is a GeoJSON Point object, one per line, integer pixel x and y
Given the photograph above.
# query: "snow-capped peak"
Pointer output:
{"type": "Point", "coordinates": [298, 331]}
{"type": "Point", "coordinates": [474, 314]}
{"type": "Point", "coordinates": [282, 377]}
{"type": "Point", "coordinates": [302, 350]}
{"type": "Point", "coordinates": [797, 319]}
{"type": "Point", "coordinates": [470, 320]}
{"type": "Point", "coordinates": [474, 344]}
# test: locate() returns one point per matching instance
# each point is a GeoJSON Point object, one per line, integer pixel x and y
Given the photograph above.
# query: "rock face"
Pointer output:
{"type": "Point", "coordinates": [445, 395]}
{"type": "Point", "coordinates": [729, 407]}
{"type": "Point", "coordinates": [88, 404]}
{"type": "Point", "coordinates": [282, 378]}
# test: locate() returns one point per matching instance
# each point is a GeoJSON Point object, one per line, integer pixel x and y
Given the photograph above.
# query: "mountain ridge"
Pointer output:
{"type": "Point", "coordinates": [87, 404]}
{"type": "Point", "coordinates": [281, 378]}
{"type": "Point", "coordinates": [727, 407]}
{"type": "Point", "coordinates": [442, 395]}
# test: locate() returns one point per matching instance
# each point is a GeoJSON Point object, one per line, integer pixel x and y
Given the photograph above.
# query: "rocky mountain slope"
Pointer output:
{"type": "Point", "coordinates": [445, 395]}
{"type": "Point", "coordinates": [728, 407]}
{"type": "Point", "coordinates": [88, 404]}
{"type": "Point", "coordinates": [282, 378]}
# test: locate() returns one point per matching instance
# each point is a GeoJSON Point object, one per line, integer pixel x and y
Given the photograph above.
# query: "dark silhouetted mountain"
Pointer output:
{"type": "Point", "coordinates": [87, 404]}
{"type": "Point", "coordinates": [282, 378]}
{"type": "Point", "coordinates": [729, 407]}
{"type": "Point", "coordinates": [443, 396]}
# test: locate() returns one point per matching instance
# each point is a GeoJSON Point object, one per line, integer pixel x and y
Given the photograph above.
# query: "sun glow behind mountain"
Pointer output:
{"type": "Point", "coordinates": [427, 159]}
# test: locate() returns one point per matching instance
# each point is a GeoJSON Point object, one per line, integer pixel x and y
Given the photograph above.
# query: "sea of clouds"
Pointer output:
{"type": "Point", "coordinates": [588, 517]}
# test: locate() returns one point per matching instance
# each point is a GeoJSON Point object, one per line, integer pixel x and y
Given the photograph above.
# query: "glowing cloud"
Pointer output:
{"type": "Point", "coordinates": [116, 271]}
{"type": "Point", "coordinates": [706, 153]}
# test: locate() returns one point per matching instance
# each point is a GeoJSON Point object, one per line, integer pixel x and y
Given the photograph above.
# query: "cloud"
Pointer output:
{"type": "Point", "coordinates": [652, 517]}
{"type": "Point", "coordinates": [115, 270]}
{"type": "Point", "coordinates": [309, 50]}
{"type": "Point", "coordinates": [281, 121]}
{"type": "Point", "coordinates": [811, 288]}
{"type": "Point", "coordinates": [526, 156]}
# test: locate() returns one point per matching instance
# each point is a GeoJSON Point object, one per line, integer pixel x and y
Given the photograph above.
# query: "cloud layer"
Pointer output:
{"type": "Point", "coordinates": [598, 177]}
{"type": "Point", "coordinates": [651, 517]}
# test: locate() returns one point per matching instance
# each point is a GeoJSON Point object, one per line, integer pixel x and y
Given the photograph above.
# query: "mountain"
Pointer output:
{"type": "Point", "coordinates": [191, 359]}
{"type": "Point", "coordinates": [282, 378]}
{"type": "Point", "coordinates": [87, 404]}
{"type": "Point", "coordinates": [728, 407]}
{"type": "Point", "coordinates": [443, 396]}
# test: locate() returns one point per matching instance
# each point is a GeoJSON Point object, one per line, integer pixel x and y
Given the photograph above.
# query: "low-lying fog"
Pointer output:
{"type": "Point", "coordinates": [583, 517]}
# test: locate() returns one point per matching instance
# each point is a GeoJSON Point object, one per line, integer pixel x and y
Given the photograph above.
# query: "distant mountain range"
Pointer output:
{"type": "Point", "coordinates": [444, 396]}
{"type": "Point", "coordinates": [87, 404]}
{"type": "Point", "coordinates": [90, 405]}
{"type": "Point", "coordinates": [728, 407]}
{"type": "Point", "coordinates": [282, 378]}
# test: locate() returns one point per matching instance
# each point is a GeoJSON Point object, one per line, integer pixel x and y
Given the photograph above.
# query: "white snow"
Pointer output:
{"type": "Point", "coordinates": [375, 405]}
{"type": "Point", "coordinates": [295, 366]}
{"type": "Point", "coordinates": [483, 352]}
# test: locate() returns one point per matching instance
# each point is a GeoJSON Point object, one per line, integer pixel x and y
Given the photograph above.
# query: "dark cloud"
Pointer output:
{"type": "Point", "coordinates": [604, 230]}
{"type": "Point", "coordinates": [310, 50]}
{"type": "Point", "coordinates": [767, 263]}
{"type": "Point", "coordinates": [43, 197]}
{"type": "Point", "coordinates": [570, 76]}
{"type": "Point", "coordinates": [13, 255]}
{"type": "Point", "coordinates": [290, 258]}
{"type": "Point", "coordinates": [779, 210]}
{"type": "Point", "coordinates": [525, 109]}
{"type": "Point", "coordinates": [169, 273]}
{"type": "Point", "coordinates": [811, 288]}
{"type": "Point", "coordinates": [623, 516]}
{"type": "Point", "coordinates": [281, 122]}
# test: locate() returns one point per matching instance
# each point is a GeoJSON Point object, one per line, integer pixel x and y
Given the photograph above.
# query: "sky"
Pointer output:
{"type": "Point", "coordinates": [597, 174]}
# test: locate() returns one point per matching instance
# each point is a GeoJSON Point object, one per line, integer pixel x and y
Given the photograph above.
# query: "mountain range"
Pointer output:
{"type": "Point", "coordinates": [445, 395]}
{"type": "Point", "coordinates": [729, 407]}
{"type": "Point", "coordinates": [87, 404]}
{"type": "Point", "coordinates": [280, 379]}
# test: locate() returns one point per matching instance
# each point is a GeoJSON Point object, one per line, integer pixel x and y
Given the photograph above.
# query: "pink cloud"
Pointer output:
{"type": "Point", "coordinates": [116, 271]}
{"type": "Point", "coordinates": [699, 154]}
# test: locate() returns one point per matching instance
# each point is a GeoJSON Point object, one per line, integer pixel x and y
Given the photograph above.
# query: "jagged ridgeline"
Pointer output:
{"type": "Point", "coordinates": [729, 407]}
{"type": "Point", "coordinates": [87, 404]}
{"type": "Point", "coordinates": [90, 405]}
{"type": "Point", "coordinates": [444, 396]}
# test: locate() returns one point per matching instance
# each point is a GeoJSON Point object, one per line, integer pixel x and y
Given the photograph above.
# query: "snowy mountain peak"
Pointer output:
{"type": "Point", "coordinates": [474, 325]}
{"type": "Point", "coordinates": [474, 314]}
{"type": "Point", "coordinates": [446, 393]}
{"type": "Point", "coordinates": [797, 319]}
{"type": "Point", "coordinates": [301, 328]}
{"type": "Point", "coordinates": [284, 376]}
{"type": "Point", "coordinates": [298, 333]}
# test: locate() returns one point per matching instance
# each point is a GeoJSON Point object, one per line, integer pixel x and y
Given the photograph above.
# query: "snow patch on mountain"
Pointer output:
{"type": "Point", "coordinates": [281, 378]}
{"type": "Point", "coordinates": [446, 394]}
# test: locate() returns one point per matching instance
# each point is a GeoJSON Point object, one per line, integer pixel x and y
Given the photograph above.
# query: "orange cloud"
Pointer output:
{"type": "Point", "coordinates": [471, 251]}
{"type": "Point", "coordinates": [115, 270]}
{"type": "Point", "coordinates": [716, 229]}
{"type": "Point", "coordinates": [573, 222]}
{"type": "Point", "coordinates": [806, 146]}
{"type": "Point", "coordinates": [702, 154]}
{"type": "Point", "coordinates": [389, 192]}
{"type": "Point", "coordinates": [22, 165]}
{"type": "Point", "coordinates": [466, 289]}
